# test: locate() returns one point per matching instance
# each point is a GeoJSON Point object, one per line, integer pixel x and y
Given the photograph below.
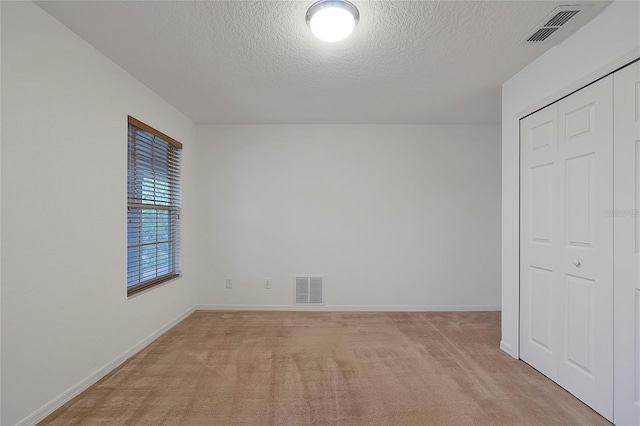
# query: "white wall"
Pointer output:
{"type": "Point", "coordinates": [65, 312]}
{"type": "Point", "coordinates": [610, 40]}
{"type": "Point", "coordinates": [395, 217]}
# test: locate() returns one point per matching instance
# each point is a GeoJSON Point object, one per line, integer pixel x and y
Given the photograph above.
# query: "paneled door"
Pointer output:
{"type": "Point", "coordinates": [627, 245]}
{"type": "Point", "coordinates": [539, 240]}
{"type": "Point", "coordinates": [566, 253]}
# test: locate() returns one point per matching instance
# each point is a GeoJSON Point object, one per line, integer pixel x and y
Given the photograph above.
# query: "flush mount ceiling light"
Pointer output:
{"type": "Point", "coordinates": [332, 20]}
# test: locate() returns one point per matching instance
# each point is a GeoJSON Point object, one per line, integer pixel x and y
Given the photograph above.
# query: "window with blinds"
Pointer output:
{"type": "Point", "coordinates": [153, 207]}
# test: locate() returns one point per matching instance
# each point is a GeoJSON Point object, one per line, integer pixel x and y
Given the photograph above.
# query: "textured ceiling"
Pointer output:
{"type": "Point", "coordinates": [257, 62]}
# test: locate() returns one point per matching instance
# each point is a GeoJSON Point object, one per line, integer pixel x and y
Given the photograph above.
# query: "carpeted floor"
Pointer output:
{"type": "Point", "coordinates": [327, 368]}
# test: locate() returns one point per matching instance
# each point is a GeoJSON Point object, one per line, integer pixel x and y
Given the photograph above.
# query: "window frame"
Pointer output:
{"type": "Point", "coordinates": [173, 208]}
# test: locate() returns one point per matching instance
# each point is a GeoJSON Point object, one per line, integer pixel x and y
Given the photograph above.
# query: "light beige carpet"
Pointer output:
{"type": "Point", "coordinates": [327, 368]}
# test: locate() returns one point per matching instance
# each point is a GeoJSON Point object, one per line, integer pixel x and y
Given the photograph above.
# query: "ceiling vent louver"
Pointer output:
{"type": "Point", "coordinates": [309, 290]}
{"type": "Point", "coordinates": [541, 34]}
{"type": "Point", "coordinates": [561, 18]}
{"type": "Point", "coordinates": [552, 23]}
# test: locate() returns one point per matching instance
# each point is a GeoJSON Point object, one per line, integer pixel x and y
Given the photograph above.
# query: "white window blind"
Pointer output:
{"type": "Point", "coordinates": [153, 207]}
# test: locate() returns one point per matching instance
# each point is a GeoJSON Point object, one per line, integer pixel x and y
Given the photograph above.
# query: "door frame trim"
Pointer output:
{"type": "Point", "coordinates": [511, 262]}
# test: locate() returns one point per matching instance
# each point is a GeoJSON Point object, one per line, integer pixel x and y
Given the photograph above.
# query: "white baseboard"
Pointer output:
{"type": "Point", "coordinates": [79, 387]}
{"type": "Point", "coordinates": [347, 308]}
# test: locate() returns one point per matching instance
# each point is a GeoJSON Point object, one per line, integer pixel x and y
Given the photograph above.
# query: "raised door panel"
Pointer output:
{"type": "Point", "coordinates": [580, 322]}
{"type": "Point", "coordinates": [585, 173]}
{"type": "Point", "coordinates": [541, 203]}
{"type": "Point", "coordinates": [635, 351]}
{"type": "Point", "coordinates": [540, 300]}
{"type": "Point", "coordinates": [580, 123]}
{"type": "Point", "coordinates": [627, 245]}
{"type": "Point", "coordinates": [579, 202]}
{"type": "Point", "coordinates": [542, 134]}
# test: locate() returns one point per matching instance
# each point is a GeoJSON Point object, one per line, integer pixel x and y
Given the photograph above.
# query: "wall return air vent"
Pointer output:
{"type": "Point", "coordinates": [552, 23]}
{"type": "Point", "coordinates": [309, 290]}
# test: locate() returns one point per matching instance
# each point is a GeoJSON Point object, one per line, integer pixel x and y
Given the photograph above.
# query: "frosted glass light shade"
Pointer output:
{"type": "Point", "coordinates": [332, 20]}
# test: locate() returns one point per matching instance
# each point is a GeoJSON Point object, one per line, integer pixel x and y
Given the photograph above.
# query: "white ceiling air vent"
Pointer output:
{"type": "Point", "coordinates": [552, 23]}
{"type": "Point", "coordinates": [309, 290]}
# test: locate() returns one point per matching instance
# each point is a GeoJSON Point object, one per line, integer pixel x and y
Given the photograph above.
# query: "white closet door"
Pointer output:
{"type": "Point", "coordinates": [566, 268]}
{"type": "Point", "coordinates": [627, 245]}
{"type": "Point", "coordinates": [585, 334]}
{"type": "Point", "coordinates": [538, 242]}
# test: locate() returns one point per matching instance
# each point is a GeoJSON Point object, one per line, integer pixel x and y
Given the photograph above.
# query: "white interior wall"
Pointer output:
{"type": "Point", "coordinates": [608, 41]}
{"type": "Point", "coordinates": [65, 312]}
{"type": "Point", "coordinates": [394, 216]}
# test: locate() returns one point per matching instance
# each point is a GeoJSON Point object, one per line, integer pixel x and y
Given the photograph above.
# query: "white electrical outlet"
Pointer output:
{"type": "Point", "coordinates": [267, 283]}
{"type": "Point", "coordinates": [229, 284]}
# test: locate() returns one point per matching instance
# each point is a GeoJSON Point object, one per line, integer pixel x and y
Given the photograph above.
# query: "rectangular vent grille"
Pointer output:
{"type": "Point", "coordinates": [552, 23]}
{"type": "Point", "coordinates": [309, 290]}
{"type": "Point", "coordinates": [541, 34]}
{"type": "Point", "coordinates": [561, 18]}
